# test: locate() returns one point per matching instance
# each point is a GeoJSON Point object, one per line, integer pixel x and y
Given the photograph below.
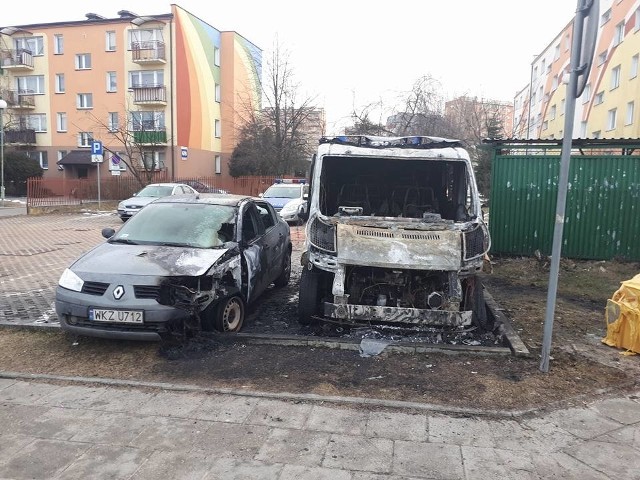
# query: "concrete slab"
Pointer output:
{"type": "Point", "coordinates": [106, 461]}
{"type": "Point", "coordinates": [397, 426]}
{"type": "Point", "coordinates": [230, 469]}
{"type": "Point", "coordinates": [297, 472]}
{"type": "Point", "coordinates": [296, 447]}
{"type": "Point", "coordinates": [174, 434]}
{"type": "Point", "coordinates": [225, 408]}
{"type": "Point", "coordinates": [275, 413]}
{"type": "Point", "coordinates": [113, 428]}
{"type": "Point", "coordinates": [625, 436]}
{"type": "Point", "coordinates": [167, 464]}
{"type": "Point", "coordinates": [440, 461]}
{"type": "Point", "coordinates": [560, 466]}
{"type": "Point", "coordinates": [337, 420]}
{"type": "Point", "coordinates": [72, 396]}
{"type": "Point", "coordinates": [43, 459]}
{"type": "Point", "coordinates": [230, 440]}
{"type": "Point", "coordinates": [582, 422]}
{"type": "Point", "coordinates": [359, 453]}
{"type": "Point", "coordinates": [614, 460]}
{"type": "Point", "coordinates": [622, 410]}
{"type": "Point", "coordinates": [26, 392]}
{"type": "Point", "coordinates": [484, 463]}
{"type": "Point", "coordinates": [174, 404]}
{"type": "Point", "coordinates": [56, 423]}
{"type": "Point", "coordinates": [122, 400]}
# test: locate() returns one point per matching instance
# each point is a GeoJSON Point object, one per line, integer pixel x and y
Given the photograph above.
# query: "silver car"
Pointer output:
{"type": "Point", "coordinates": [183, 263]}
{"type": "Point", "coordinates": [129, 207]}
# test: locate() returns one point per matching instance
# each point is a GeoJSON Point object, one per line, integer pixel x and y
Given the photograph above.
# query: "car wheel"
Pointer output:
{"type": "Point", "coordinates": [478, 305]}
{"type": "Point", "coordinates": [230, 314]}
{"type": "Point", "coordinates": [309, 298]}
{"type": "Point", "coordinates": [285, 275]}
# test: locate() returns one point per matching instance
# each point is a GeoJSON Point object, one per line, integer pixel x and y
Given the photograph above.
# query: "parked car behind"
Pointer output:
{"type": "Point", "coordinates": [129, 207]}
{"type": "Point", "coordinates": [183, 262]}
{"type": "Point", "coordinates": [203, 187]}
{"type": "Point", "coordinates": [289, 198]}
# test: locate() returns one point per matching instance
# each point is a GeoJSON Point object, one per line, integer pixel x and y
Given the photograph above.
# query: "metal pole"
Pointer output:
{"type": "Point", "coordinates": [3, 105]}
{"type": "Point", "coordinates": [98, 166]}
{"type": "Point", "coordinates": [563, 181]}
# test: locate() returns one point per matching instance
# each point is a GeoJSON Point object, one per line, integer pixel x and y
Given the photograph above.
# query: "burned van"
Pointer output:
{"type": "Point", "coordinates": [395, 234]}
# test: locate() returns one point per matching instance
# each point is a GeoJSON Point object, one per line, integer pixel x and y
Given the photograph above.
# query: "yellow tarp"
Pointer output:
{"type": "Point", "coordinates": [623, 317]}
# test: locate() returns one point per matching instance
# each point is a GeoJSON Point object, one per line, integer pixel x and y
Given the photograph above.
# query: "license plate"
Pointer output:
{"type": "Point", "coordinates": [116, 316]}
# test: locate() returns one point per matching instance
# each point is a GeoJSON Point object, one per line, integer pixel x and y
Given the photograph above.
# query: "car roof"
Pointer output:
{"type": "Point", "coordinates": [208, 198]}
{"type": "Point", "coordinates": [165, 184]}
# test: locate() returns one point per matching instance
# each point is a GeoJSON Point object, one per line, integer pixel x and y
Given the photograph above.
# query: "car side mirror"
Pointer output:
{"type": "Point", "coordinates": [261, 195]}
{"type": "Point", "coordinates": [108, 232]}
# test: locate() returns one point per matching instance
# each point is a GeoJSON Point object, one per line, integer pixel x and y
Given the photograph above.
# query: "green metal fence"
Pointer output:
{"type": "Point", "coordinates": [602, 217]}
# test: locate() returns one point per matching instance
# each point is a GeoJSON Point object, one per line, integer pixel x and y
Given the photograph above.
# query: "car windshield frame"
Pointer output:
{"type": "Point", "coordinates": [180, 224]}
{"type": "Point", "coordinates": [277, 191]}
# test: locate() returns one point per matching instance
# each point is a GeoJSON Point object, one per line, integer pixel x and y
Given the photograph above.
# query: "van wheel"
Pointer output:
{"type": "Point", "coordinates": [478, 305]}
{"type": "Point", "coordinates": [229, 315]}
{"type": "Point", "coordinates": [309, 298]}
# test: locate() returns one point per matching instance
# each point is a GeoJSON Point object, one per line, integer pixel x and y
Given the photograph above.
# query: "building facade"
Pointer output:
{"type": "Point", "coordinates": [161, 92]}
{"type": "Point", "coordinates": [608, 106]}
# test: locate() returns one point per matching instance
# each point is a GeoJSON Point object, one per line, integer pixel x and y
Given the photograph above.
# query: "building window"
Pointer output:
{"type": "Point", "coordinates": [112, 84]}
{"type": "Point", "coordinates": [37, 122]}
{"type": "Point", "coordinates": [552, 112]}
{"type": "Point", "coordinates": [218, 160]}
{"type": "Point", "coordinates": [110, 41]}
{"type": "Point", "coordinates": [602, 58]}
{"type": "Point", "coordinates": [33, 44]}
{"type": "Point", "coordinates": [535, 72]}
{"type": "Point", "coordinates": [146, 78]}
{"type": "Point", "coordinates": [636, 18]}
{"type": "Point", "coordinates": [554, 82]}
{"type": "Point", "coordinates": [599, 98]}
{"type": "Point", "coordinates": [41, 158]}
{"type": "Point", "coordinates": [615, 77]}
{"type": "Point", "coordinates": [217, 90]}
{"type": "Point", "coordinates": [61, 122]}
{"type": "Point", "coordinates": [567, 42]}
{"type": "Point", "coordinates": [144, 36]}
{"type": "Point", "coordinates": [611, 118]}
{"type": "Point", "coordinates": [633, 69]}
{"type": "Point", "coordinates": [216, 56]}
{"type": "Point", "coordinates": [83, 61]}
{"type": "Point", "coordinates": [543, 65]}
{"type": "Point", "coordinates": [153, 160]}
{"type": "Point", "coordinates": [84, 100]}
{"type": "Point", "coordinates": [58, 44]}
{"type": "Point", "coordinates": [583, 129]}
{"type": "Point", "coordinates": [556, 52]}
{"type": "Point", "coordinates": [147, 121]}
{"type": "Point", "coordinates": [629, 116]}
{"type": "Point", "coordinates": [114, 123]}
{"type": "Point", "coordinates": [618, 36]}
{"type": "Point", "coordinates": [586, 94]}
{"type": "Point", "coordinates": [605, 17]}
{"type": "Point", "coordinates": [60, 83]}
{"type": "Point", "coordinates": [217, 128]}
{"type": "Point", "coordinates": [31, 84]}
{"type": "Point", "coordinates": [545, 125]}
{"type": "Point", "coordinates": [85, 139]}
{"type": "Point", "coordinates": [562, 106]}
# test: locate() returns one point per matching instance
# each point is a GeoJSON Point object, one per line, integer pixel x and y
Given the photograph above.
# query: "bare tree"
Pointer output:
{"type": "Point", "coordinates": [139, 134]}
{"type": "Point", "coordinates": [275, 139]}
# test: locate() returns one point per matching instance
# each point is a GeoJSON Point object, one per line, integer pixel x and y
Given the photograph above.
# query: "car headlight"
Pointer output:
{"type": "Point", "coordinates": [70, 281]}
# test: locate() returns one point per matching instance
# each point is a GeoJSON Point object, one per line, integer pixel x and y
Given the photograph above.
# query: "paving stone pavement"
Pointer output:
{"type": "Point", "coordinates": [80, 431]}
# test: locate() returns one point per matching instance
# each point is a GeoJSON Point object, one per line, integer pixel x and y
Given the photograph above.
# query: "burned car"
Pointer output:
{"type": "Point", "coordinates": [183, 263]}
{"type": "Point", "coordinates": [395, 234]}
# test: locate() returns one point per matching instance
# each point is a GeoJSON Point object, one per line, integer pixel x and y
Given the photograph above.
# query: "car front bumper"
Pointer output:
{"type": "Point", "coordinates": [72, 309]}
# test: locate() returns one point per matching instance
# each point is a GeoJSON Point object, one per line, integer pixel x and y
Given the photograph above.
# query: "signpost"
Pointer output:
{"type": "Point", "coordinates": [97, 155]}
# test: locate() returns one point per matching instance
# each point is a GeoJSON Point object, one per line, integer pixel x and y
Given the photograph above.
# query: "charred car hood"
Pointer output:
{"type": "Point", "coordinates": [109, 258]}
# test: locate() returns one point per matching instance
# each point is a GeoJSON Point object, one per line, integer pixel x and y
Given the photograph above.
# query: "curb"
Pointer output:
{"type": "Point", "coordinates": [308, 397]}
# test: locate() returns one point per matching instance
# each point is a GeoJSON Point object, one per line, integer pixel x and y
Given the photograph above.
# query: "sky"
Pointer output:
{"type": "Point", "coordinates": [349, 54]}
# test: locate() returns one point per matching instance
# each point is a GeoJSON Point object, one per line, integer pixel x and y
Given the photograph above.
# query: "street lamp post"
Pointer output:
{"type": "Point", "coordinates": [3, 106]}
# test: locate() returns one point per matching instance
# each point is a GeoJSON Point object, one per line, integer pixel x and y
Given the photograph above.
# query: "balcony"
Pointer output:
{"type": "Point", "coordinates": [20, 99]}
{"type": "Point", "coordinates": [149, 94]}
{"type": "Point", "coordinates": [26, 136]}
{"type": "Point", "coordinates": [150, 137]}
{"type": "Point", "coordinates": [16, 60]}
{"type": "Point", "coordinates": [149, 52]}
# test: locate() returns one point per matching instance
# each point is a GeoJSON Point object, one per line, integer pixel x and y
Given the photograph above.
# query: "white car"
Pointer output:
{"type": "Point", "coordinates": [129, 207]}
{"type": "Point", "coordinates": [289, 198]}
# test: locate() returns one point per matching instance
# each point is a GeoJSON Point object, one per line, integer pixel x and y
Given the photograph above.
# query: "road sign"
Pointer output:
{"type": "Point", "coordinates": [96, 148]}
{"type": "Point", "coordinates": [184, 153]}
{"type": "Point", "coordinates": [96, 158]}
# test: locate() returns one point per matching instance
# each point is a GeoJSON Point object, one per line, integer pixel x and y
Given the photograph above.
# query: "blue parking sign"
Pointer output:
{"type": "Point", "coordinates": [96, 147]}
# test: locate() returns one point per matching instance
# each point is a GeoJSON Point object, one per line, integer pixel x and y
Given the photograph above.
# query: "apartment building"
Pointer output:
{"type": "Point", "coordinates": [162, 92]}
{"type": "Point", "coordinates": [608, 106]}
{"type": "Point", "coordinates": [474, 114]}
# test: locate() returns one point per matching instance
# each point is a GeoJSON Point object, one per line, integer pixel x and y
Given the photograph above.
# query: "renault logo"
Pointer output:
{"type": "Point", "coordinates": [118, 292]}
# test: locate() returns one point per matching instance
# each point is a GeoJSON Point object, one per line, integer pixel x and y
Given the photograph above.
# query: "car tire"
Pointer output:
{"type": "Point", "coordinates": [478, 305]}
{"type": "Point", "coordinates": [309, 297]}
{"type": "Point", "coordinates": [229, 314]}
{"type": "Point", "coordinates": [285, 274]}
